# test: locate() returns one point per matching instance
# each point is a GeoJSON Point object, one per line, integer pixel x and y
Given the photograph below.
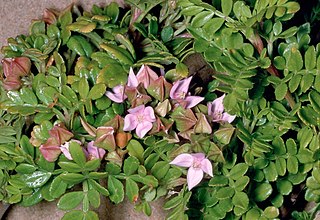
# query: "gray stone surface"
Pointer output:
{"type": "Point", "coordinates": [16, 16]}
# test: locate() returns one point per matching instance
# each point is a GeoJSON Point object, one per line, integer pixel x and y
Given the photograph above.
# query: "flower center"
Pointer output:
{"type": "Point", "coordinates": [196, 164]}
{"type": "Point", "coordinates": [140, 118]}
{"type": "Point", "coordinates": [182, 95]}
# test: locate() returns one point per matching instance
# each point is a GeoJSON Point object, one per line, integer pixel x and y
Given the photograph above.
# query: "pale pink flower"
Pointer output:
{"type": "Point", "coordinates": [179, 92]}
{"type": "Point", "coordinates": [139, 118]}
{"type": "Point", "coordinates": [117, 95]}
{"type": "Point", "coordinates": [197, 164]}
{"type": "Point", "coordinates": [95, 152]}
{"type": "Point", "coordinates": [216, 111]}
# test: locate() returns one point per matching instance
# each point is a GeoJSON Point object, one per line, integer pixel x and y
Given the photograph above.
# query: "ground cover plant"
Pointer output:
{"type": "Point", "coordinates": [111, 102]}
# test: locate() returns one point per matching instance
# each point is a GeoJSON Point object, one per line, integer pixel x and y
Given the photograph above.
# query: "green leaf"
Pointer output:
{"type": "Point", "coordinates": [277, 28]}
{"type": "Point", "coordinates": [58, 187]}
{"type": "Point", "coordinates": [284, 187]}
{"type": "Point", "coordinates": [241, 183]}
{"type": "Point", "coordinates": [116, 190]}
{"type": "Point", "coordinates": [92, 164]}
{"type": "Point", "coordinates": [72, 178]}
{"type": "Point", "coordinates": [306, 82]}
{"type": "Point", "coordinates": [262, 191]}
{"type": "Point", "coordinates": [98, 187]}
{"type": "Point", "coordinates": [277, 201]}
{"type": "Point", "coordinates": [310, 58]}
{"type": "Point", "coordinates": [25, 168]}
{"type": "Point", "coordinates": [240, 199]}
{"type": "Point", "coordinates": [270, 172]}
{"type": "Point", "coordinates": [33, 199]}
{"type": "Point", "coordinates": [77, 153]}
{"type": "Point", "coordinates": [28, 96]}
{"type": "Point", "coordinates": [132, 190]}
{"type": "Point", "coordinates": [293, 58]}
{"type": "Point", "coordinates": [271, 212]}
{"type": "Point", "coordinates": [253, 213]}
{"type": "Point", "coordinates": [112, 75]}
{"type": "Point", "coordinates": [191, 10]}
{"type": "Point", "coordinates": [226, 6]}
{"type": "Point", "coordinates": [292, 164]}
{"type": "Point", "coordinates": [97, 91]}
{"type": "Point", "coordinates": [135, 149]}
{"type": "Point", "coordinates": [218, 180]}
{"type": "Point", "coordinates": [202, 18]}
{"type": "Point", "coordinates": [314, 98]}
{"type": "Point", "coordinates": [167, 34]}
{"type": "Point", "coordinates": [90, 215]}
{"type": "Point", "coordinates": [36, 179]}
{"type": "Point", "coordinates": [160, 169]}
{"type": "Point", "coordinates": [83, 88]}
{"type": "Point", "coordinates": [238, 170]}
{"type": "Point", "coordinates": [70, 166]}
{"type": "Point", "coordinates": [172, 203]}
{"type": "Point", "coordinates": [131, 165]}
{"type": "Point", "coordinates": [73, 215]}
{"type": "Point", "coordinates": [70, 200]}
{"type": "Point", "coordinates": [113, 11]}
{"type": "Point", "coordinates": [295, 82]}
{"type": "Point", "coordinates": [27, 146]}
{"type": "Point", "coordinates": [94, 198]}
{"type": "Point", "coordinates": [225, 192]}
{"type": "Point", "coordinates": [281, 91]}
{"type": "Point", "coordinates": [80, 45]}
{"type": "Point", "coordinates": [212, 26]}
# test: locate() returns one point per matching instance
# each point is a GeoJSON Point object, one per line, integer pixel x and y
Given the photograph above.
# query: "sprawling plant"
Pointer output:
{"type": "Point", "coordinates": [213, 105]}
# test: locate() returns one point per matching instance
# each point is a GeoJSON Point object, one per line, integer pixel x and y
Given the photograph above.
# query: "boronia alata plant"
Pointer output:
{"type": "Point", "coordinates": [109, 102]}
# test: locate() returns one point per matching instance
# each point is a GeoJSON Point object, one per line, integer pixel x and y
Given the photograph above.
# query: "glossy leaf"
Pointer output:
{"type": "Point", "coordinates": [116, 190]}
{"type": "Point", "coordinates": [70, 200]}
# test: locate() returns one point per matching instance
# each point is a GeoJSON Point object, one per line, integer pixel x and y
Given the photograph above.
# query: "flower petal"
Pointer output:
{"type": "Point", "coordinates": [199, 156]}
{"type": "Point", "coordinates": [206, 166]}
{"type": "Point", "coordinates": [217, 105]}
{"type": "Point", "coordinates": [143, 128]}
{"type": "Point", "coordinates": [183, 160]}
{"type": "Point", "coordinates": [95, 152]}
{"type": "Point", "coordinates": [117, 95]}
{"type": "Point", "coordinates": [137, 110]}
{"type": "Point", "coordinates": [180, 87]}
{"type": "Point", "coordinates": [132, 79]}
{"type": "Point", "coordinates": [148, 114]}
{"type": "Point", "coordinates": [227, 117]}
{"type": "Point", "coordinates": [193, 101]}
{"type": "Point", "coordinates": [65, 150]}
{"type": "Point", "coordinates": [130, 122]}
{"type": "Point", "coordinates": [194, 177]}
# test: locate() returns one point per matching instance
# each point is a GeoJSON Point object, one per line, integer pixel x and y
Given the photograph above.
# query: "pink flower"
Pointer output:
{"type": "Point", "coordinates": [117, 95]}
{"type": "Point", "coordinates": [139, 118]}
{"type": "Point", "coordinates": [95, 152]}
{"type": "Point", "coordinates": [179, 92]}
{"type": "Point", "coordinates": [215, 110]}
{"type": "Point", "coordinates": [197, 164]}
